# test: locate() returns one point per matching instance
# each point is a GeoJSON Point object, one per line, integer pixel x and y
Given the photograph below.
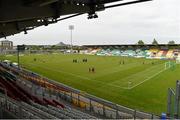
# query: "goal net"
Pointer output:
{"type": "Point", "coordinates": [167, 65]}
{"type": "Point", "coordinates": [178, 60]}
{"type": "Point", "coordinates": [170, 65]}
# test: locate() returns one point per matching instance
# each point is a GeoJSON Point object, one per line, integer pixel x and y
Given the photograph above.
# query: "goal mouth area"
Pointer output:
{"type": "Point", "coordinates": [178, 60]}
{"type": "Point", "coordinates": [170, 64]}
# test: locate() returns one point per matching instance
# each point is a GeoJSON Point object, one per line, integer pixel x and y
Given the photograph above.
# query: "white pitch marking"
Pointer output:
{"type": "Point", "coordinates": [147, 79]}
{"type": "Point", "coordinates": [127, 88]}
{"type": "Point", "coordinates": [79, 76]}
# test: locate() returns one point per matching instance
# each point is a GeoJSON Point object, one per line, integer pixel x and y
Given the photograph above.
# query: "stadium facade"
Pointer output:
{"type": "Point", "coordinates": [43, 94]}
{"type": "Point", "coordinates": [6, 44]}
{"type": "Point", "coordinates": [161, 51]}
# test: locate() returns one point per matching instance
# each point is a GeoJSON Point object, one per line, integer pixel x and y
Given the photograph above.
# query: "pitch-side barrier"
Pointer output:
{"type": "Point", "coordinates": [83, 100]}
{"type": "Point", "coordinates": [173, 102]}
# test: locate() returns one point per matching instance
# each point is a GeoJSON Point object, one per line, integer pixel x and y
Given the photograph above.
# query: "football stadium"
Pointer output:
{"type": "Point", "coordinates": [102, 73]}
{"type": "Point", "coordinates": [110, 75]}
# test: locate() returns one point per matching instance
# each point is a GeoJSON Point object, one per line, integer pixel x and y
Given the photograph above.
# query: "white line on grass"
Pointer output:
{"type": "Point", "coordinates": [107, 84]}
{"type": "Point", "coordinates": [148, 79]}
{"type": "Point", "coordinates": [82, 77]}
{"type": "Point", "coordinates": [119, 69]}
{"type": "Point", "coordinates": [141, 81]}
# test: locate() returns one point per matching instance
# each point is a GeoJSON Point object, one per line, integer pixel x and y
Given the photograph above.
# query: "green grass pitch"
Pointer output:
{"type": "Point", "coordinates": [138, 83]}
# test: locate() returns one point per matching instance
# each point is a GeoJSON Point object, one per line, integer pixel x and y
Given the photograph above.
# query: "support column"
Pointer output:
{"type": "Point", "coordinates": [90, 105]}
{"type": "Point", "coordinates": [169, 102]}
{"type": "Point", "coordinates": [78, 101]}
{"type": "Point", "coordinates": [18, 58]}
{"type": "Point", "coordinates": [134, 114]}
{"type": "Point", "coordinates": [117, 114]}
{"type": "Point", "coordinates": [176, 107]}
{"type": "Point", "coordinates": [1, 113]}
{"type": "Point", "coordinates": [71, 98]}
{"type": "Point", "coordinates": [104, 113]}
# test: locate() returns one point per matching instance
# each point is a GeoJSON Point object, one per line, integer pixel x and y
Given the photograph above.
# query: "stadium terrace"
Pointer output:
{"type": "Point", "coordinates": [160, 51]}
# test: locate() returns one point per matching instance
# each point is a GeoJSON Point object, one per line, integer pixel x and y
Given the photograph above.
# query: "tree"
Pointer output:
{"type": "Point", "coordinates": [155, 42]}
{"type": "Point", "coordinates": [171, 42]}
{"type": "Point", "coordinates": [140, 42]}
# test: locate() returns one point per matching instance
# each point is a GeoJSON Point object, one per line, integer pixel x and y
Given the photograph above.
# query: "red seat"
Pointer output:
{"type": "Point", "coordinates": [49, 102]}
{"type": "Point", "coordinates": [59, 104]}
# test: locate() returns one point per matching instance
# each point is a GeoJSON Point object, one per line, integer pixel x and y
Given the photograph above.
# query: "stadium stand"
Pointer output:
{"type": "Point", "coordinates": [164, 53]}
{"type": "Point", "coordinates": [32, 96]}
{"type": "Point", "coordinates": [170, 54]}
{"type": "Point", "coordinates": [160, 53]}
{"type": "Point", "coordinates": [179, 56]}
{"type": "Point", "coordinates": [49, 106]}
{"type": "Point", "coordinates": [154, 53]}
{"type": "Point", "coordinates": [176, 53]}
{"type": "Point", "coordinates": [115, 52]}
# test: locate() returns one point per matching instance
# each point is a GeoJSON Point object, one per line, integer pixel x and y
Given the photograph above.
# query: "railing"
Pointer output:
{"type": "Point", "coordinates": [173, 102]}
{"type": "Point", "coordinates": [86, 102]}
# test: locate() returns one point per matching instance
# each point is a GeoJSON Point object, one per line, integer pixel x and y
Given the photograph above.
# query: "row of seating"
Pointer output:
{"type": "Point", "coordinates": [50, 100]}
{"type": "Point", "coordinates": [37, 81]}
{"type": "Point", "coordinates": [67, 111]}
{"type": "Point", "coordinates": [16, 92]}
{"type": "Point", "coordinates": [21, 94]}
{"type": "Point", "coordinates": [149, 53]}
{"type": "Point", "coordinates": [23, 110]}
{"type": "Point", "coordinates": [12, 91]}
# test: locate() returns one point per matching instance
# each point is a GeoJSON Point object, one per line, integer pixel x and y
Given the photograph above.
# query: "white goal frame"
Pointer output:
{"type": "Point", "coordinates": [178, 60]}
{"type": "Point", "coordinates": [167, 65]}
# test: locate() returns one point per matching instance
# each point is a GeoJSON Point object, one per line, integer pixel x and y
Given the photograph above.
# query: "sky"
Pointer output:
{"type": "Point", "coordinates": [159, 19]}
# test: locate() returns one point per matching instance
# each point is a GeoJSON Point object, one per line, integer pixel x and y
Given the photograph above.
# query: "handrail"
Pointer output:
{"type": "Point", "coordinates": [105, 103]}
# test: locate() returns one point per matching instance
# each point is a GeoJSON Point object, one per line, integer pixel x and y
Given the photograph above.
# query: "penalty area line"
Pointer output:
{"type": "Point", "coordinates": [82, 77]}
{"type": "Point", "coordinates": [148, 79]}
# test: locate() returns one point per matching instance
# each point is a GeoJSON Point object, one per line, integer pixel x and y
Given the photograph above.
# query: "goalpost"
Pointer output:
{"type": "Point", "coordinates": [170, 65]}
{"type": "Point", "coordinates": [167, 65]}
{"type": "Point", "coordinates": [178, 60]}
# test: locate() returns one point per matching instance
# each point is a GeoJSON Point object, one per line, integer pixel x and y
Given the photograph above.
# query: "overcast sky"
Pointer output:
{"type": "Point", "coordinates": [158, 19]}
